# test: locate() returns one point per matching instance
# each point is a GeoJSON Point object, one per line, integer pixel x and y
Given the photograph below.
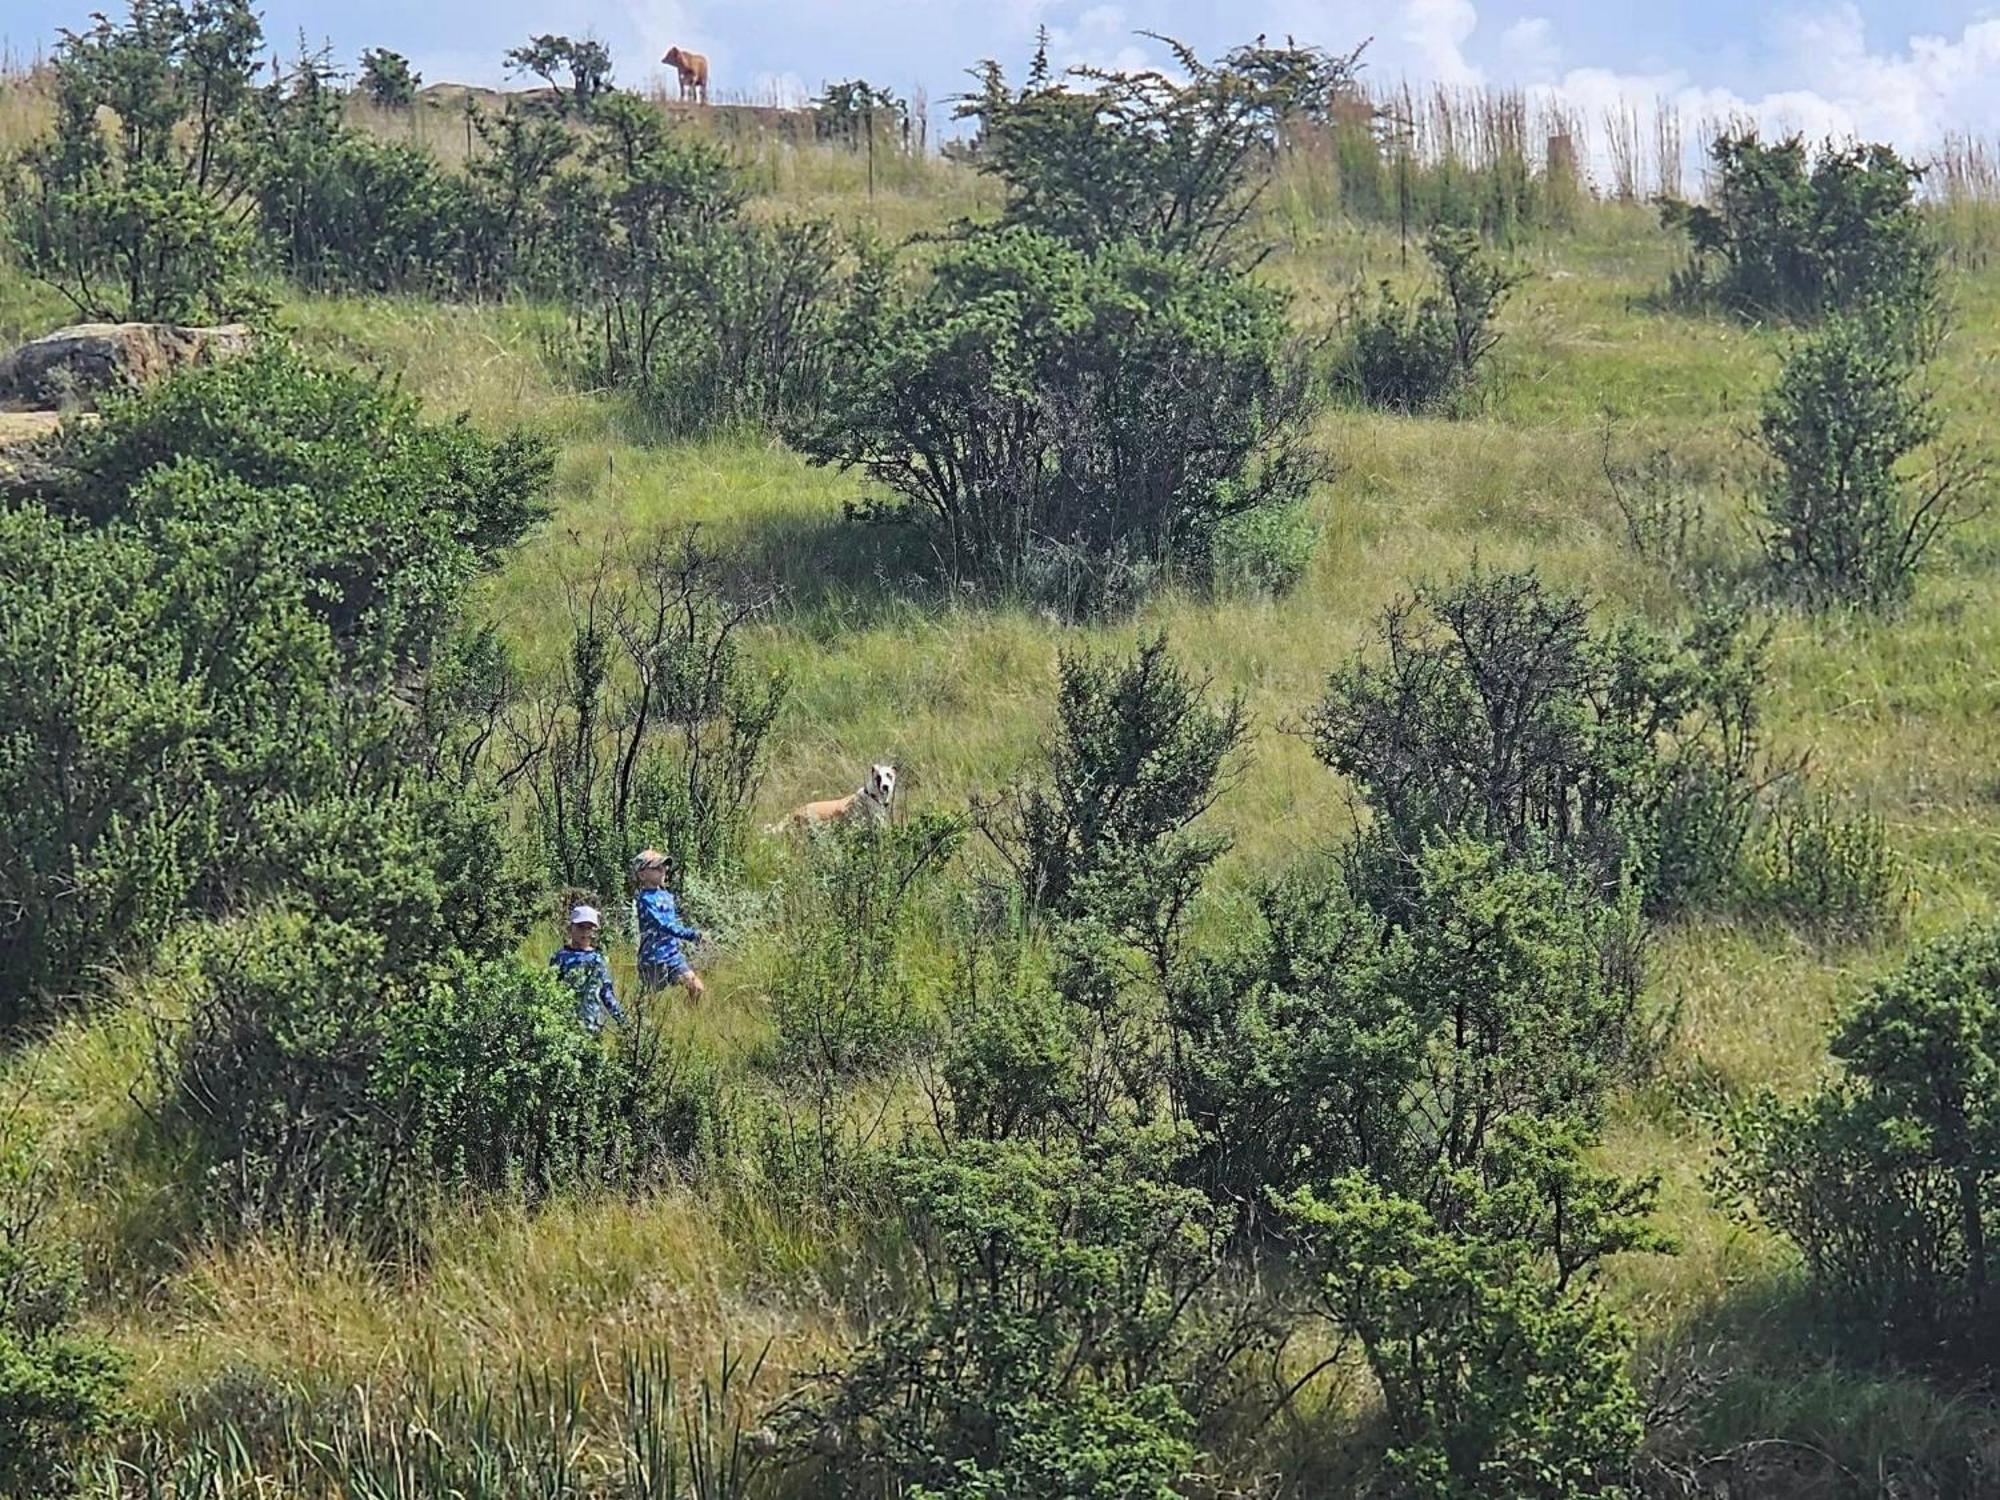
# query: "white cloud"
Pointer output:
{"type": "Point", "coordinates": [1437, 31]}
{"type": "Point", "coordinates": [1529, 49]}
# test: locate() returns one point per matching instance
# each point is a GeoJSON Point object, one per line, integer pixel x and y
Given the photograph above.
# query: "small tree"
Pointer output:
{"type": "Point", "coordinates": [1497, 713]}
{"type": "Point", "coordinates": [587, 62]}
{"type": "Point", "coordinates": [1794, 235]}
{"type": "Point", "coordinates": [1173, 163]}
{"type": "Point", "coordinates": [1072, 424]}
{"type": "Point", "coordinates": [145, 221]}
{"type": "Point", "coordinates": [1885, 1178]}
{"type": "Point", "coordinates": [388, 79]}
{"type": "Point", "coordinates": [655, 731]}
{"type": "Point", "coordinates": [1849, 523]}
{"type": "Point", "coordinates": [1420, 356]}
{"type": "Point", "coordinates": [854, 110]}
{"type": "Point", "coordinates": [1053, 1348]}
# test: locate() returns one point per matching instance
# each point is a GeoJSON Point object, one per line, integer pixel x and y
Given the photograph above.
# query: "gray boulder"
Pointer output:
{"type": "Point", "coordinates": [72, 366]}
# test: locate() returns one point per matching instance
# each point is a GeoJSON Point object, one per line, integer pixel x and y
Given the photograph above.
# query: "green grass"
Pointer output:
{"type": "Point", "coordinates": [1897, 714]}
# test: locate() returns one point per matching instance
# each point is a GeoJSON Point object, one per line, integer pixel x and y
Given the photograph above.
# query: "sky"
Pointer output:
{"type": "Point", "coordinates": [1907, 71]}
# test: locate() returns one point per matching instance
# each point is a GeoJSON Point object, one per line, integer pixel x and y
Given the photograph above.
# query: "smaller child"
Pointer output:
{"type": "Point", "coordinates": [580, 965]}
{"type": "Point", "coordinates": [661, 930]}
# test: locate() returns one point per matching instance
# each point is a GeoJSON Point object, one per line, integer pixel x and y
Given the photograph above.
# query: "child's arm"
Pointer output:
{"type": "Point", "coordinates": [606, 993]}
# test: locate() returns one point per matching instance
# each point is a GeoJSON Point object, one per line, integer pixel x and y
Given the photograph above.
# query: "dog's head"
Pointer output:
{"type": "Point", "coordinates": [881, 784]}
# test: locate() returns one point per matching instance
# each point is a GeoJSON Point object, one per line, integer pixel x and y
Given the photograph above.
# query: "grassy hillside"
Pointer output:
{"type": "Point", "coordinates": [1898, 715]}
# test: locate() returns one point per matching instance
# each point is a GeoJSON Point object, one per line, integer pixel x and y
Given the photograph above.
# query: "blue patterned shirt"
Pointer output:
{"type": "Point", "coordinates": [661, 931]}
{"type": "Point", "coordinates": [586, 972]}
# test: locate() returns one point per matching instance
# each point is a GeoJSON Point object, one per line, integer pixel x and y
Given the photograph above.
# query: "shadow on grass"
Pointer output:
{"type": "Point", "coordinates": [839, 575]}
{"type": "Point", "coordinates": [1766, 1393]}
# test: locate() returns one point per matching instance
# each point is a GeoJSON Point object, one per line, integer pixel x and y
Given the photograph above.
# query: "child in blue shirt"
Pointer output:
{"type": "Point", "coordinates": [661, 930]}
{"type": "Point", "coordinates": [580, 965]}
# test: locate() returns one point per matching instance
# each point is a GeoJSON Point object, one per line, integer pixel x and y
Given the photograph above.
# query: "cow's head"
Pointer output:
{"type": "Point", "coordinates": [675, 58]}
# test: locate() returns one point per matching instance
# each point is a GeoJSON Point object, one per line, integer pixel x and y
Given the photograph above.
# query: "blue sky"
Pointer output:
{"type": "Point", "coordinates": [1907, 71]}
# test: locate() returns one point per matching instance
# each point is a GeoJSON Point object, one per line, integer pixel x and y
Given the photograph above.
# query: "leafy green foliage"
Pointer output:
{"type": "Point", "coordinates": [1884, 1177]}
{"type": "Point", "coordinates": [1498, 714]}
{"type": "Point", "coordinates": [1053, 1348]}
{"type": "Point", "coordinates": [655, 732]}
{"type": "Point", "coordinates": [1173, 164]}
{"type": "Point", "coordinates": [856, 111]}
{"type": "Point", "coordinates": [587, 62]}
{"type": "Point", "coordinates": [1832, 874]}
{"type": "Point", "coordinates": [844, 998]}
{"type": "Point", "coordinates": [388, 79]}
{"type": "Point", "coordinates": [218, 613]}
{"type": "Point", "coordinates": [1796, 236]}
{"type": "Point", "coordinates": [1332, 1041]}
{"type": "Point", "coordinates": [58, 1389]}
{"type": "Point", "coordinates": [140, 221]}
{"type": "Point", "coordinates": [346, 1068]}
{"type": "Point", "coordinates": [1848, 523]}
{"type": "Point", "coordinates": [1501, 1374]}
{"type": "Point", "coordinates": [712, 319]}
{"type": "Point", "coordinates": [1423, 355]}
{"type": "Point", "coordinates": [1072, 423]}
{"type": "Point", "coordinates": [1139, 753]}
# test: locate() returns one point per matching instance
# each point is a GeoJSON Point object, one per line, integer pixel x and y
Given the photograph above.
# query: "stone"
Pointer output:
{"type": "Point", "coordinates": [74, 365]}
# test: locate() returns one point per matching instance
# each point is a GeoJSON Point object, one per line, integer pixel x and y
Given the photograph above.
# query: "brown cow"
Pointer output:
{"type": "Point", "coordinates": [693, 68]}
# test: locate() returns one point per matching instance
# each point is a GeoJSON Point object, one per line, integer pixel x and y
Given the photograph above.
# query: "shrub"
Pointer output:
{"type": "Point", "coordinates": [1173, 164]}
{"type": "Point", "coordinates": [1799, 237]}
{"type": "Point", "coordinates": [227, 606]}
{"type": "Point", "coordinates": [843, 997]}
{"type": "Point", "coordinates": [140, 222]}
{"type": "Point", "coordinates": [1883, 1178]}
{"type": "Point", "coordinates": [388, 79]}
{"type": "Point", "coordinates": [58, 1389]}
{"type": "Point", "coordinates": [588, 63]}
{"type": "Point", "coordinates": [333, 1080]}
{"type": "Point", "coordinates": [1499, 714]}
{"type": "Point", "coordinates": [1423, 355]}
{"type": "Point", "coordinates": [1110, 408]}
{"type": "Point", "coordinates": [1333, 1042]}
{"type": "Point", "coordinates": [655, 733]}
{"type": "Point", "coordinates": [853, 110]}
{"type": "Point", "coordinates": [1139, 754]}
{"type": "Point", "coordinates": [1847, 525]}
{"type": "Point", "coordinates": [1501, 1374]}
{"type": "Point", "coordinates": [339, 208]}
{"type": "Point", "coordinates": [1832, 874]}
{"type": "Point", "coordinates": [1054, 1346]}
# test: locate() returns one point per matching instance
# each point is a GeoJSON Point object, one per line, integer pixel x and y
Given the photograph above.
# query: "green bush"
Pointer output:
{"type": "Point", "coordinates": [1884, 1178]}
{"type": "Point", "coordinates": [1790, 235]}
{"type": "Point", "coordinates": [1848, 523]}
{"type": "Point", "coordinates": [1498, 713]}
{"type": "Point", "coordinates": [333, 1078]}
{"type": "Point", "coordinates": [1831, 874]}
{"type": "Point", "coordinates": [1331, 1041]}
{"type": "Point", "coordinates": [141, 221]}
{"type": "Point", "coordinates": [58, 1389]}
{"type": "Point", "coordinates": [843, 997]}
{"type": "Point", "coordinates": [655, 731]}
{"type": "Point", "coordinates": [1501, 1373]}
{"type": "Point", "coordinates": [1054, 1347]}
{"type": "Point", "coordinates": [224, 609]}
{"type": "Point", "coordinates": [1087, 417]}
{"type": "Point", "coordinates": [388, 79]}
{"type": "Point", "coordinates": [1424, 355]}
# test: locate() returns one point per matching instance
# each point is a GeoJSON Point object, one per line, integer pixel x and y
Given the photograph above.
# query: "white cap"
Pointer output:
{"type": "Point", "coordinates": [584, 916]}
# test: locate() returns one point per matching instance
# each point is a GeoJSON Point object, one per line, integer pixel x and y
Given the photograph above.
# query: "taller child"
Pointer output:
{"type": "Point", "coordinates": [661, 930]}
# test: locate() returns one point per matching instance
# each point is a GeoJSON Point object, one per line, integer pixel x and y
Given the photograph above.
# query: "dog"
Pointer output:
{"type": "Point", "coordinates": [693, 68]}
{"type": "Point", "coordinates": [870, 800]}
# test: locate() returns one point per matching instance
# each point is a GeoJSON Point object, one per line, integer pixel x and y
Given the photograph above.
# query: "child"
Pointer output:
{"type": "Point", "coordinates": [580, 966]}
{"type": "Point", "coordinates": [661, 930]}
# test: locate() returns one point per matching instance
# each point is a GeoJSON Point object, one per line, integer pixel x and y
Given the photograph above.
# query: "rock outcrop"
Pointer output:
{"type": "Point", "coordinates": [73, 366]}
